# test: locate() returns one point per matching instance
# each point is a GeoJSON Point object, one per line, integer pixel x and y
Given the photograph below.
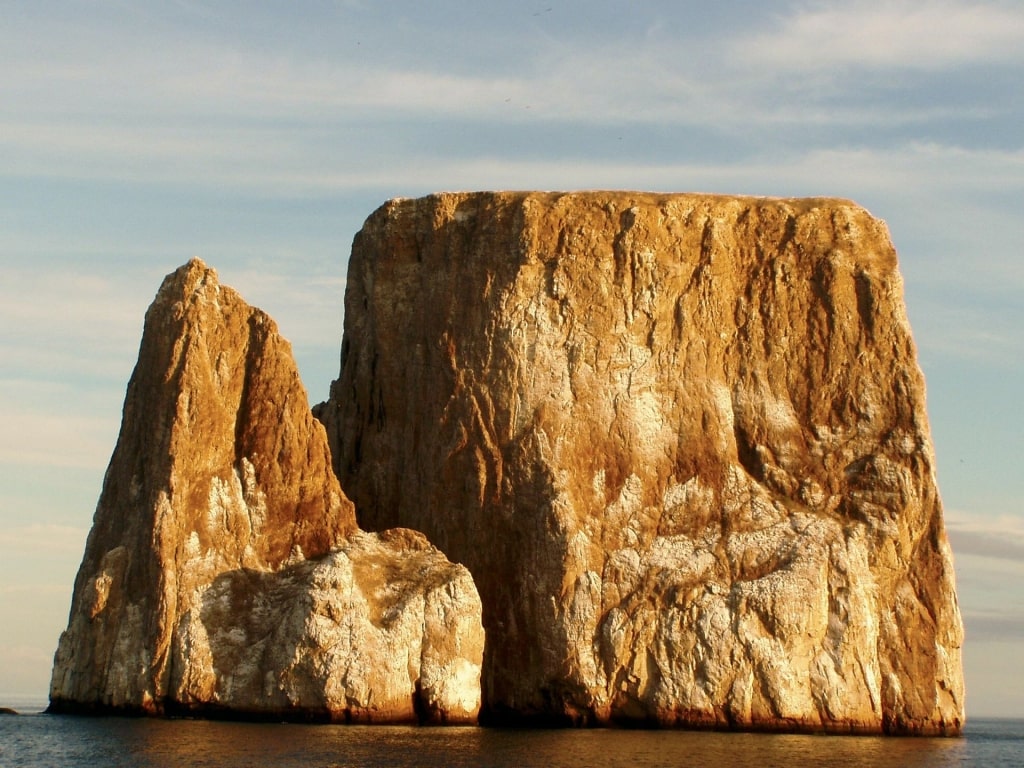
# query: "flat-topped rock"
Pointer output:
{"type": "Point", "coordinates": [679, 440]}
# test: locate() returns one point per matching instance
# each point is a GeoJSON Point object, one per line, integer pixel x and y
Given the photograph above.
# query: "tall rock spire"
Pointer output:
{"type": "Point", "coordinates": [224, 571]}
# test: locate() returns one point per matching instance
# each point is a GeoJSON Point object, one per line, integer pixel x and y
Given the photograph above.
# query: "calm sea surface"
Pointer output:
{"type": "Point", "coordinates": [51, 740]}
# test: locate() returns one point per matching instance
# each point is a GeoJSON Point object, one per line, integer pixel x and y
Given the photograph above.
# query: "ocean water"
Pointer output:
{"type": "Point", "coordinates": [57, 740]}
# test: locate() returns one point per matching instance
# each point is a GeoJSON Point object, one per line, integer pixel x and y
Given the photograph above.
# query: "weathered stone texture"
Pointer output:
{"type": "Point", "coordinates": [679, 440]}
{"type": "Point", "coordinates": [224, 572]}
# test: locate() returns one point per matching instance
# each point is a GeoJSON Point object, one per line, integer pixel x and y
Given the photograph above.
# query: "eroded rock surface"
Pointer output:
{"type": "Point", "coordinates": [681, 443]}
{"type": "Point", "coordinates": [224, 573]}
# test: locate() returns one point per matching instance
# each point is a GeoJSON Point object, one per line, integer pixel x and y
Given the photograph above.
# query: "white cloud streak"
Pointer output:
{"type": "Point", "coordinates": [37, 539]}
{"type": "Point", "coordinates": [188, 108]}
{"type": "Point", "coordinates": [248, 164]}
{"type": "Point", "coordinates": [58, 441]}
{"type": "Point", "coordinates": [82, 322]}
{"type": "Point", "coordinates": [877, 34]}
{"type": "Point", "coordinates": [970, 332]}
{"type": "Point", "coordinates": [1000, 538]}
{"type": "Point", "coordinates": [989, 554]}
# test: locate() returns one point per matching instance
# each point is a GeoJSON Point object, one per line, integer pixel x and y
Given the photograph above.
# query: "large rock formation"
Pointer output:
{"type": "Point", "coordinates": [224, 573]}
{"type": "Point", "coordinates": [679, 440]}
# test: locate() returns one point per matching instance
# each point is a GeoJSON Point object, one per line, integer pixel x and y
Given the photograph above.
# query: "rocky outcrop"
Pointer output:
{"type": "Point", "coordinates": [224, 573]}
{"type": "Point", "coordinates": [679, 440]}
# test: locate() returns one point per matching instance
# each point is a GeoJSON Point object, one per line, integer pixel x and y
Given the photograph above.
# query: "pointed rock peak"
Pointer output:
{"type": "Point", "coordinates": [189, 277]}
{"type": "Point", "coordinates": [219, 465]}
{"type": "Point", "coordinates": [195, 265]}
{"type": "Point", "coordinates": [195, 284]}
{"type": "Point", "coordinates": [224, 570]}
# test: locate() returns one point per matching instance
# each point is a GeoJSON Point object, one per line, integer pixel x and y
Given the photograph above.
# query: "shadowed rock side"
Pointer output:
{"type": "Point", "coordinates": [679, 440]}
{"type": "Point", "coordinates": [224, 573]}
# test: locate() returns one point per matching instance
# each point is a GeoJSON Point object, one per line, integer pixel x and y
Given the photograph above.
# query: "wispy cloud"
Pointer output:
{"type": "Point", "coordinates": [79, 322]}
{"type": "Point", "coordinates": [125, 104]}
{"type": "Point", "coordinates": [869, 34]}
{"type": "Point", "coordinates": [55, 434]}
{"type": "Point", "coordinates": [89, 296]}
{"type": "Point", "coordinates": [984, 627]}
{"type": "Point", "coordinates": [38, 538]}
{"type": "Point", "coordinates": [912, 171]}
{"type": "Point", "coordinates": [294, 125]}
{"type": "Point", "coordinates": [1001, 538]}
{"type": "Point", "coordinates": [975, 329]}
{"type": "Point", "coordinates": [989, 552]}
{"type": "Point", "coordinates": [70, 338]}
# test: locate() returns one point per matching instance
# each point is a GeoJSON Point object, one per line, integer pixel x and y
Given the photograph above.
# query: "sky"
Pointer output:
{"type": "Point", "coordinates": [258, 136]}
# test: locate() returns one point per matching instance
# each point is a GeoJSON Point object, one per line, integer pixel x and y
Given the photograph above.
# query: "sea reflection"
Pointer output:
{"type": "Point", "coordinates": [72, 741]}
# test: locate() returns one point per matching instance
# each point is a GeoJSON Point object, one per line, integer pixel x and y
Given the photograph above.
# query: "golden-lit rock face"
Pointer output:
{"type": "Point", "coordinates": [224, 573]}
{"type": "Point", "coordinates": [680, 441]}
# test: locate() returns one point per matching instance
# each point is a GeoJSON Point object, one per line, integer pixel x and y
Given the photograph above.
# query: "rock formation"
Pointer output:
{"type": "Point", "coordinates": [679, 440]}
{"type": "Point", "coordinates": [224, 573]}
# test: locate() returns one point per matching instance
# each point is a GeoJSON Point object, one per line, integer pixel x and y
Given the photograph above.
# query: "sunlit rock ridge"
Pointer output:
{"type": "Point", "coordinates": [224, 574]}
{"type": "Point", "coordinates": [680, 441]}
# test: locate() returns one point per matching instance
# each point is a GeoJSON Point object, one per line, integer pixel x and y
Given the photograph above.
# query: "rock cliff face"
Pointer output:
{"type": "Point", "coordinates": [681, 443]}
{"type": "Point", "coordinates": [224, 573]}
